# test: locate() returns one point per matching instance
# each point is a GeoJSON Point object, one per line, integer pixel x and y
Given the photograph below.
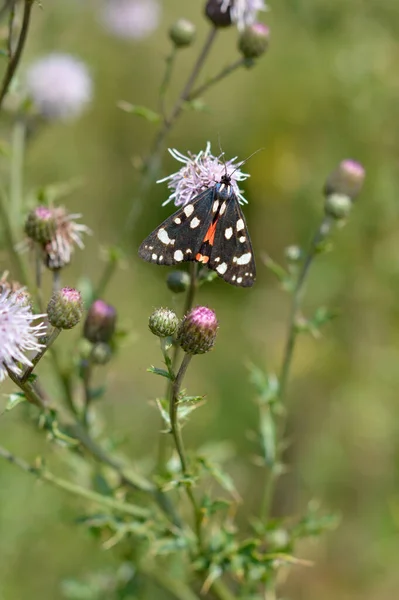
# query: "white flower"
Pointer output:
{"type": "Point", "coordinates": [200, 172]}
{"type": "Point", "coordinates": [243, 12]}
{"type": "Point", "coordinates": [59, 86]}
{"type": "Point", "coordinates": [17, 333]}
{"type": "Point", "coordinates": [131, 19]}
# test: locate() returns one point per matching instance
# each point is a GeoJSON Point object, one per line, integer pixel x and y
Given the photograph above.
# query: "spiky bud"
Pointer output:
{"type": "Point", "coordinates": [338, 206]}
{"type": "Point", "coordinates": [163, 322]}
{"type": "Point", "coordinates": [182, 33]}
{"type": "Point", "coordinates": [100, 322]}
{"type": "Point", "coordinates": [197, 331]}
{"type": "Point", "coordinates": [65, 308]}
{"type": "Point", "coordinates": [178, 281]}
{"type": "Point", "coordinates": [217, 14]}
{"type": "Point", "coordinates": [101, 353]}
{"type": "Point", "coordinates": [254, 40]}
{"type": "Point", "coordinates": [346, 180]}
{"type": "Point", "coordinates": [40, 224]}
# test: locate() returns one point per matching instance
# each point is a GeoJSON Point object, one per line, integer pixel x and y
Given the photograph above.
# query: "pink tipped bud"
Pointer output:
{"type": "Point", "coordinates": [197, 331]}
{"type": "Point", "coordinates": [346, 180]}
{"type": "Point", "coordinates": [65, 308]}
{"type": "Point", "coordinates": [40, 224]}
{"type": "Point", "coordinates": [100, 322]}
{"type": "Point", "coordinates": [254, 40]}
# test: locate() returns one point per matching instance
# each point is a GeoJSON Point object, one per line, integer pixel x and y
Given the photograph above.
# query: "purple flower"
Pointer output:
{"type": "Point", "coordinates": [197, 331]}
{"type": "Point", "coordinates": [131, 19]}
{"type": "Point", "coordinates": [17, 333]}
{"type": "Point", "coordinates": [200, 172]}
{"type": "Point", "coordinates": [243, 12]}
{"type": "Point", "coordinates": [59, 86]}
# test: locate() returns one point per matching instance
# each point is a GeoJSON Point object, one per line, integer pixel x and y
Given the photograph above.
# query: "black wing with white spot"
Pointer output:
{"type": "Point", "coordinates": [232, 256]}
{"type": "Point", "coordinates": [180, 236]}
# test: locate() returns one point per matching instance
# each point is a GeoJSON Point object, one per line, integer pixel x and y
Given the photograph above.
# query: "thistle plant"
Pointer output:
{"type": "Point", "coordinates": [162, 520]}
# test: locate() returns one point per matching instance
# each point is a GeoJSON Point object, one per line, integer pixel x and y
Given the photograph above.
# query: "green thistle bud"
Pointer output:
{"type": "Point", "coordinates": [100, 322]}
{"type": "Point", "coordinates": [178, 281]}
{"type": "Point", "coordinates": [346, 180]}
{"type": "Point", "coordinates": [219, 17]}
{"type": "Point", "coordinates": [163, 322]}
{"type": "Point", "coordinates": [40, 224]}
{"type": "Point", "coordinates": [338, 206]}
{"type": "Point", "coordinates": [101, 354]}
{"type": "Point", "coordinates": [254, 40]}
{"type": "Point", "coordinates": [197, 331]}
{"type": "Point", "coordinates": [182, 33]}
{"type": "Point", "coordinates": [65, 308]}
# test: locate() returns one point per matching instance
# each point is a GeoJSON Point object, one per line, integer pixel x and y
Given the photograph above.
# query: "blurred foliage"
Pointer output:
{"type": "Point", "coordinates": [327, 89]}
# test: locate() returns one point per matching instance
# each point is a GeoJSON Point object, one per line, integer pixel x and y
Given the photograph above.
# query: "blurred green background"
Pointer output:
{"type": "Point", "coordinates": [326, 90]}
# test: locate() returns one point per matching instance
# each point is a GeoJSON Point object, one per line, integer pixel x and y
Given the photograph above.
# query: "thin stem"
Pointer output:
{"type": "Point", "coordinates": [221, 591]}
{"type": "Point", "coordinates": [16, 172]}
{"type": "Point", "coordinates": [170, 62]}
{"type": "Point", "coordinates": [51, 339]}
{"type": "Point", "coordinates": [105, 278]}
{"type": "Point", "coordinates": [192, 288]}
{"type": "Point", "coordinates": [15, 58]}
{"type": "Point", "coordinates": [167, 581]}
{"type": "Point", "coordinates": [39, 276]}
{"type": "Point", "coordinates": [11, 18]}
{"type": "Point", "coordinates": [241, 62]}
{"type": "Point", "coordinates": [68, 486]}
{"type": "Point", "coordinates": [299, 290]}
{"type": "Point", "coordinates": [18, 263]}
{"type": "Point", "coordinates": [57, 280]}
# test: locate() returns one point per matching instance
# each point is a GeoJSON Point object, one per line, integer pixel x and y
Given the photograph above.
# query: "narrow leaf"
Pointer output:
{"type": "Point", "coordinates": [161, 372]}
{"type": "Point", "coordinates": [140, 111]}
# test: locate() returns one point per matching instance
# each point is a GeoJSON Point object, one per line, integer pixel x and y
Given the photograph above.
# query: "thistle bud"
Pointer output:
{"type": "Point", "coordinates": [178, 281]}
{"type": "Point", "coordinates": [101, 354]}
{"type": "Point", "coordinates": [254, 40]}
{"type": "Point", "coordinates": [65, 308]}
{"type": "Point", "coordinates": [338, 206]}
{"type": "Point", "coordinates": [219, 15]}
{"type": "Point", "coordinates": [346, 180]}
{"type": "Point", "coordinates": [163, 322]}
{"type": "Point", "coordinates": [40, 224]}
{"type": "Point", "coordinates": [182, 33]}
{"type": "Point", "coordinates": [197, 331]}
{"type": "Point", "coordinates": [100, 322]}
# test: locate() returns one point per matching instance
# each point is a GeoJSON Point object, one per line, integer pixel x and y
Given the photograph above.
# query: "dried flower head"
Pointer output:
{"type": "Point", "coordinates": [197, 331]}
{"type": "Point", "coordinates": [68, 234]}
{"type": "Point", "coordinates": [200, 172]}
{"type": "Point", "coordinates": [59, 86]}
{"type": "Point", "coordinates": [18, 335]}
{"type": "Point", "coordinates": [240, 12]}
{"type": "Point", "coordinates": [131, 19]}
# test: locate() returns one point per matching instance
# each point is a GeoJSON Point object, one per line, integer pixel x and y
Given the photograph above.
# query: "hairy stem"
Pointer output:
{"type": "Point", "coordinates": [51, 339]}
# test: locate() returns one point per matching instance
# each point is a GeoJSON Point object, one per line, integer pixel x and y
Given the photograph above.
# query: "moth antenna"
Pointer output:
{"type": "Point", "coordinates": [222, 155]}
{"type": "Point", "coordinates": [245, 160]}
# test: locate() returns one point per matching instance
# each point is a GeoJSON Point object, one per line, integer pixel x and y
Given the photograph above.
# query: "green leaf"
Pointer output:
{"type": "Point", "coordinates": [160, 372]}
{"type": "Point", "coordinates": [14, 400]}
{"type": "Point", "coordinates": [282, 274]}
{"type": "Point", "coordinates": [211, 507]}
{"type": "Point", "coordinates": [267, 431]}
{"type": "Point", "coordinates": [163, 407]}
{"type": "Point", "coordinates": [224, 479]}
{"type": "Point", "coordinates": [140, 111]}
{"type": "Point", "coordinates": [266, 384]}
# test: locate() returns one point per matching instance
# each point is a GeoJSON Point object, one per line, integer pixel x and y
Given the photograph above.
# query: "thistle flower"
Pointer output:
{"type": "Point", "coordinates": [197, 331]}
{"type": "Point", "coordinates": [59, 86]}
{"type": "Point", "coordinates": [100, 322]}
{"type": "Point", "coordinates": [347, 179]}
{"type": "Point", "coordinates": [131, 19]}
{"type": "Point", "coordinates": [22, 295]}
{"type": "Point", "coordinates": [240, 12]}
{"type": "Point", "coordinates": [200, 172]}
{"type": "Point", "coordinates": [65, 308]}
{"type": "Point", "coordinates": [55, 223]}
{"type": "Point", "coordinates": [17, 333]}
{"type": "Point", "coordinates": [254, 40]}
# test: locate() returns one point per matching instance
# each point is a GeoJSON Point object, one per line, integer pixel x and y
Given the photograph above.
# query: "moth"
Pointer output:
{"type": "Point", "coordinates": [210, 230]}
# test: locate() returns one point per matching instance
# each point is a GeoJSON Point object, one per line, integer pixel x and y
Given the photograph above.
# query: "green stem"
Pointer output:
{"type": "Point", "coordinates": [15, 58]}
{"type": "Point", "coordinates": [130, 509]}
{"type": "Point", "coordinates": [105, 278]}
{"type": "Point", "coordinates": [241, 62]}
{"type": "Point", "coordinates": [221, 591]}
{"type": "Point", "coordinates": [299, 291]}
{"type": "Point", "coordinates": [18, 264]}
{"type": "Point", "coordinates": [87, 376]}
{"type": "Point", "coordinates": [178, 440]}
{"type": "Point", "coordinates": [170, 62]}
{"type": "Point", "coordinates": [16, 172]}
{"type": "Point", "coordinates": [53, 336]}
